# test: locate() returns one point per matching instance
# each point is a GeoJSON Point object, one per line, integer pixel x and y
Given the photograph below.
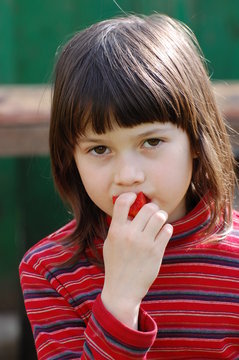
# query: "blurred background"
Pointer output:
{"type": "Point", "coordinates": [30, 33]}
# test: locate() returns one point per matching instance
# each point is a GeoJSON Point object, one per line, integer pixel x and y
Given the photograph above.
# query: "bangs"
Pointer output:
{"type": "Point", "coordinates": [125, 98]}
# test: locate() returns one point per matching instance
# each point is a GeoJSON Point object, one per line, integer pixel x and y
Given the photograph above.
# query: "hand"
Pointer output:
{"type": "Point", "coordinates": [133, 252]}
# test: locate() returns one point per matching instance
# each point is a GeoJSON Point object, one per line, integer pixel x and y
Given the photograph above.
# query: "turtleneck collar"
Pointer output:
{"type": "Point", "coordinates": [193, 222]}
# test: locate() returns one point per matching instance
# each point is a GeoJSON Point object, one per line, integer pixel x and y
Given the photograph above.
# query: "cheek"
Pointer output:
{"type": "Point", "coordinates": [175, 174]}
{"type": "Point", "coordinates": [87, 175]}
{"type": "Point", "coordinates": [183, 170]}
{"type": "Point", "coordinates": [94, 182]}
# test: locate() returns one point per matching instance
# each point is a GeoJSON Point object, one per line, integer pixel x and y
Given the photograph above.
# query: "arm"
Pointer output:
{"type": "Point", "coordinates": [62, 332]}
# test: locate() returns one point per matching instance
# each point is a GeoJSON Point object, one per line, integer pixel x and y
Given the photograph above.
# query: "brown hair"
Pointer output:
{"type": "Point", "coordinates": [140, 69]}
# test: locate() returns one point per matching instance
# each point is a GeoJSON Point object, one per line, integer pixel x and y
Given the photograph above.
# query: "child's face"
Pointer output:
{"type": "Point", "coordinates": [154, 158]}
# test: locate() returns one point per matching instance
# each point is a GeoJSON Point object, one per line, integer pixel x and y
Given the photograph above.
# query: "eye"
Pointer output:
{"type": "Point", "coordinates": [151, 143]}
{"type": "Point", "coordinates": [99, 150]}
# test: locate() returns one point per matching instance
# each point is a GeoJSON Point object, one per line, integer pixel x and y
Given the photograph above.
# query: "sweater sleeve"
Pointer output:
{"type": "Point", "coordinates": [61, 332]}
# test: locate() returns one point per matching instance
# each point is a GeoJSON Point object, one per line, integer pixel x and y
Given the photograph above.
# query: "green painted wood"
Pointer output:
{"type": "Point", "coordinates": [31, 31]}
{"type": "Point", "coordinates": [7, 42]}
{"type": "Point", "coordinates": [42, 26]}
{"type": "Point", "coordinates": [8, 216]}
{"type": "Point", "coordinates": [216, 25]}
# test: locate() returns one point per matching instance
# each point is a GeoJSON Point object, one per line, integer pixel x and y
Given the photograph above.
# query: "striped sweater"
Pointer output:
{"type": "Point", "coordinates": [191, 311]}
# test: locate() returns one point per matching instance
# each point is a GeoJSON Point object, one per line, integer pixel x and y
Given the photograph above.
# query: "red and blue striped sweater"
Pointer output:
{"type": "Point", "coordinates": [191, 311]}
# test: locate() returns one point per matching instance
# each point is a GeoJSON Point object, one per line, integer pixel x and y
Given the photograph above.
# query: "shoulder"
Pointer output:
{"type": "Point", "coordinates": [50, 251]}
{"type": "Point", "coordinates": [45, 271]}
{"type": "Point", "coordinates": [228, 245]}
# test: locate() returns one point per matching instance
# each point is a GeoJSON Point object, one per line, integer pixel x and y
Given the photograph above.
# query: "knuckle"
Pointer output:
{"type": "Point", "coordinates": [161, 216]}
{"type": "Point", "coordinates": [152, 207]}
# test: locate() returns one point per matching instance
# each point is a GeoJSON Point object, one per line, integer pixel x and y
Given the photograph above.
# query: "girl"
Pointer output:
{"type": "Point", "coordinates": [133, 111]}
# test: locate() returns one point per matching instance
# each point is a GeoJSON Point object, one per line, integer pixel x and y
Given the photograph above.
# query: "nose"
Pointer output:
{"type": "Point", "coordinates": [128, 172]}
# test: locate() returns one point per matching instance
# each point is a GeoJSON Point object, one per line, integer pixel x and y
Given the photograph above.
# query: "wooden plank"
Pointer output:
{"type": "Point", "coordinates": [25, 114]}
{"type": "Point", "coordinates": [24, 104]}
{"type": "Point", "coordinates": [7, 41]}
{"type": "Point", "coordinates": [24, 120]}
{"type": "Point", "coordinates": [24, 140]}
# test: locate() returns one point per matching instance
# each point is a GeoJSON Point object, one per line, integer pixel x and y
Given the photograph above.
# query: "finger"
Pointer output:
{"type": "Point", "coordinates": [163, 237]}
{"type": "Point", "coordinates": [155, 223]}
{"type": "Point", "coordinates": [122, 206]}
{"type": "Point", "coordinates": [144, 215]}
